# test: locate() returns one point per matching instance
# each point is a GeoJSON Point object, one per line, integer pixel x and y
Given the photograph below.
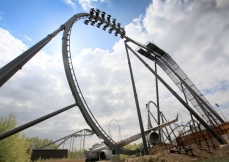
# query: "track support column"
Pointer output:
{"type": "Point", "coordinates": [157, 94]}
{"type": "Point", "coordinates": [137, 104]}
{"type": "Point", "coordinates": [7, 71]}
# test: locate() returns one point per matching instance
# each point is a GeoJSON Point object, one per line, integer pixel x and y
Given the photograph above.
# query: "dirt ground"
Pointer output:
{"type": "Point", "coordinates": [65, 160]}
{"type": "Point", "coordinates": [161, 153]}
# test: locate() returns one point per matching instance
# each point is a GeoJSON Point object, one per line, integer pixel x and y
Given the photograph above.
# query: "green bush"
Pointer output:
{"type": "Point", "coordinates": [36, 143]}
{"type": "Point", "coordinates": [13, 148]}
{"type": "Point", "coordinates": [132, 146]}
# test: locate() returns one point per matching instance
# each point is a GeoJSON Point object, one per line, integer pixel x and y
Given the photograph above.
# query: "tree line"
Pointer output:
{"type": "Point", "coordinates": [18, 147]}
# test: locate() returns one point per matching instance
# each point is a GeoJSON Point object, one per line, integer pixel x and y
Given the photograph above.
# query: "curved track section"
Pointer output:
{"type": "Point", "coordinates": [88, 132]}
{"type": "Point", "coordinates": [178, 71]}
{"type": "Point", "coordinates": [77, 94]}
{"type": "Point", "coordinates": [181, 80]}
{"type": "Point", "coordinates": [119, 130]}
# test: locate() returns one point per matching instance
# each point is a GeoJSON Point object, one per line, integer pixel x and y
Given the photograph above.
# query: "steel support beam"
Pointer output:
{"type": "Point", "coordinates": [7, 71]}
{"type": "Point", "coordinates": [137, 103]}
{"type": "Point", "coordinates": [157, 95]}
{"type": "Point", "coordinates": [220, 139]}
{"type": "Point", "coordinates": [34, 122]}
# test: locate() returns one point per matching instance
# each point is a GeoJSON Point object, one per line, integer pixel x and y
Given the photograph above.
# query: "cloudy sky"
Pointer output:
{"type": "Point", "coordinates": [195, 33]}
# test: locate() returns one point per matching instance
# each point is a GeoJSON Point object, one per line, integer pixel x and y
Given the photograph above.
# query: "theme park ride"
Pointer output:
{"type": "Point", "coordinates": [205, 116]}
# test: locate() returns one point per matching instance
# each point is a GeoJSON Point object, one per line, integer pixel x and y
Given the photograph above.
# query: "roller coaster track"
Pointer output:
{"type": "Point", "coordinates": [87, 132]}
{"type": "Point", "coordinates": [165, 61]}
{"type": "Point", "coordinates": [182, 81]}
{"type": "Point", "coordinates": [77, 94]}
{"type": "Point", "coordinates": [178, 83]}
{"type": "Point", "coordinates": [177, 75]}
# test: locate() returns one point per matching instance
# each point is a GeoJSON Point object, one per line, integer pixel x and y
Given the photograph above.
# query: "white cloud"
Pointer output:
{"type": "Point", "coordinates": [10, 46]}
{"type": "Point", "coordinates": [222, 3]}
{"type": "Point", "coordinates": [88, 4]}
{"type": "Point", "coordinates": [71, 3]}
{"type": "Point", "coordinates": [85, 4]}
{"type": "Point", "coordinates": [106, 1]}
{"type": "Point", "coordinates": [28, 38]}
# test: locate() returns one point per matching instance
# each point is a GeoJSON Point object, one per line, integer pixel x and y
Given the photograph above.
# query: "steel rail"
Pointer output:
{"type": "Point", "coordinates": [73, 134]}
{"type": "Point", "coordinates": [77, 94]}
